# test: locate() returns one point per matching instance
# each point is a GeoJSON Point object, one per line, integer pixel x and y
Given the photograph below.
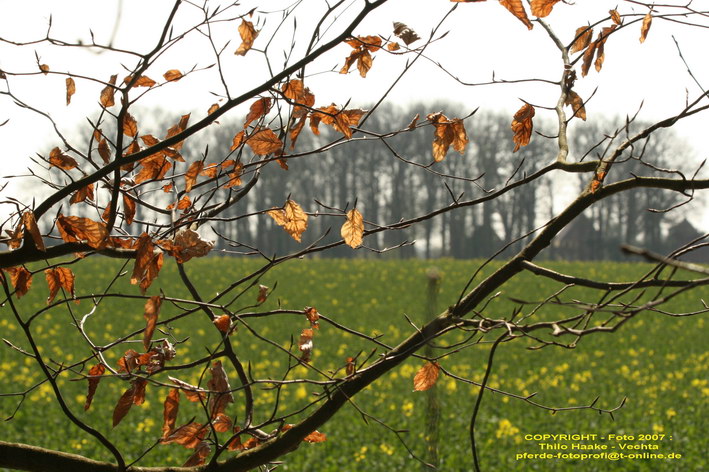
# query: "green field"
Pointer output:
{"type": "Point", "coordinates": [659, 363]}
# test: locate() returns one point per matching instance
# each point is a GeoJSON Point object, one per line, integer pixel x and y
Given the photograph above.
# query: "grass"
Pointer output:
{"type": "Point", "coordinates": [658, 363]}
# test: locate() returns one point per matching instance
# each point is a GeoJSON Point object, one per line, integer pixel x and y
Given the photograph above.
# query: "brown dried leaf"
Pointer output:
{"type": "Point", "coordinates": [129, 208]}
{"type": "Point", "coordinates": [364, 63]}
{"type": "Point", "coordinates": [315, 437]}
{"type": "Point", "coordinates": [235, 176]}
{"type": "Point", "coordinates": [238, 140]}
{"type": "Point", "coordinates": [82, 194]}
{"type": "Point", "coordinates": [353, 228]}
{"type": "Point", "coordinates": [223, 323]}
{"type": "Point", "coordinates": [588, 58]}
{"type": "Point", "coordinates": [413, 122]}
{"type": "Point", "coordinates": [173, 75]}
{"type": "Point", "coordinates": [76, 229]}
{"type": "Point", "coordinates": [44, 68]}
{"type": "Point", "coordinates": [292, 218]}
{"type": "Point", "coordinates": [130, 126]}
{"type": "Point", "coordinates": [189, 435]}
{"type": "Point", "coordinates": [124, 404]}
{"type": "Point", "coordinates": [370, 43]}
{"type": "Point", "coordinates": [152, 168]}
{"type": "Point", "coordinates": [15, 236]}
{"type": "Point", "coordinates": [189, 244]}
{"type": "Point", "coordinates": [213, 108]}
{"type": "Point", "coordinates": [150, 140]}
{"type": "Point", "coordinates": [144, 254]}
{"type": "Point", "coordinates": [177, 129]}
{"type": "Point", "coordinates": [70, 89]}
{"type": "Point", "coordinates": [406, 34]}
{"type": "Point", "coordinates": [139, 392]}
{"type": "Point", "coordinates": [615, 16]}
{"type": "Point", "coordinates": [104, 151]}
{"type": "Point", "coordinates": [200, 455]}
{"type": "Point", "coordinates": [340, 120]}
{"type": "Point", "coordinates": [220, 394]}
{"type": "Point", "coordinates": [576, 102]}
{"type": "Point", "coordinates": [107, 93]}
{"type": "Point", "coordinates": [300, 95]}
{"type": "Point", "coordinates": [262, 294]}
{"type": "Point", "coordinates": [30, 225]}
{"type": "Point", "coordinates": [222, 423]}
{"type": "Point", "coordinates": [295, 131]}
{"type": "Point", "coordinates": [542, 8]}
{"type": "Point", "coordinates": [645, 28]}
{"type": "Point", "coordinates": [264, 141]}
{"type": "Point", "coordinates": [522, 126]}
{"type": "Point", "coordinates": [393, 46]}
{"type": "Point", "coordinates": [59, 277]}
{"type": "Point", "coordinates": [600, 46]}
{"type": "Point", "coordinates": [447, 132]}
{"type": "Point", "coordinates": [192, 173]}
{"type": "Point", "coordinates": [128, 361]}
{"type": "Point", "coordinates": [350, 366]}
{"type": "Point", "coordinates": [248, 35]}
{"type": "Point", "coordinates": [426, 377]}
{"type": "Point", "coordinates": [21, 279]}
{"type": "Point", "coordinates": [143, 81]}
{"type": "Point", "coordinates": [517, 9]}
{"type": "Point", "coordinates": [311, 313]}
{"type": "Point", "coordinates": [583, 36]}
{"type": "Point", "coordinates": [170, 408]}
{"type": "Point", "coordinates": [58, 159]}
{"type": "Point", "coordinates": [152, 310]}
{"type": "Point", "coordinates": [94, 378]}
{"type": "Point", "coordinates": [258, 109]}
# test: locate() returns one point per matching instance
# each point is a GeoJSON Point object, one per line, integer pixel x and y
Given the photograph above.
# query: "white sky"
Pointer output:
{"type": "Point", "coordinates": [483, 38]}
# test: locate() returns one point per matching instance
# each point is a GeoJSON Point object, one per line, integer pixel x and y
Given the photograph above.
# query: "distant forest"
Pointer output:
{"type": "Point", "coordinates": [390, 178]}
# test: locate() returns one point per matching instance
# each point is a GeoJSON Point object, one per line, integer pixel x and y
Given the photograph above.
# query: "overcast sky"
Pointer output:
{"type": "Point", "coordinates": [484, 38]}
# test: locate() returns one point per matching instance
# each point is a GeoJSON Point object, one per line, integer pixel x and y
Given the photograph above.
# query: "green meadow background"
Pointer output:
{"type": "Point", "coordinates": [658, 363]}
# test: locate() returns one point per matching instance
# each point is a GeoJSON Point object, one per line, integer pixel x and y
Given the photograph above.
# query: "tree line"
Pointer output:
{"type": "Point", "coordinates": [390, 189]}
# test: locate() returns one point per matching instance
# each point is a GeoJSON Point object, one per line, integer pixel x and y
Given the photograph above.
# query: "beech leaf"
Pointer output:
{"type": "Point", "coordinates": [542, 8]}
{"type": "Point", "coordinates": [264, 141]}
{"type": "Point", "coordinates": [292, 218]}
{"type": "Point", "coordinates": [30, 224]}
{"type": "Point", "coordinates": [170, 408]}
{"type": "Point", "coordinates": [353, 228]}
{"type": "Point", "coordinates": [21, 280]}
{"type": "Point", "coordinates": [173, 75]}
{"type": "Point", "coordinates": [576, 102]}
{"type": "Point", "coordinates": [220, 391]}
{"type": "Point", "coordinates": [70, 89]}
{"type": "Point", "coordinates": [94, 378]}
{"type": "Point", "coordinates": [248, 35]}
{"type": "Point", "coordinates": [106, 98]}
{"type": "Point", "coordinates": [406, 34]}
{"type": "Point", "coordinates": [426, 376]}
{"type": "Point", "coordinates": [152, 310]}
{"type": "Point", "coordinates": [645, 28]}
{"type": "Point", "coordinates": [59, 277]}
{"type": "Point", "coordinates": [583, 36]}
{"type": "Point", "coordinates": [77, 229]}
{"type": "Point", "coordinates": [522, 126]}
{"type": "Point", "coordinates": [517, 9]}
{"type": "Point", "coordinates": [58, 159]}
{"type": "Point", "coordinates": [124, 404]}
